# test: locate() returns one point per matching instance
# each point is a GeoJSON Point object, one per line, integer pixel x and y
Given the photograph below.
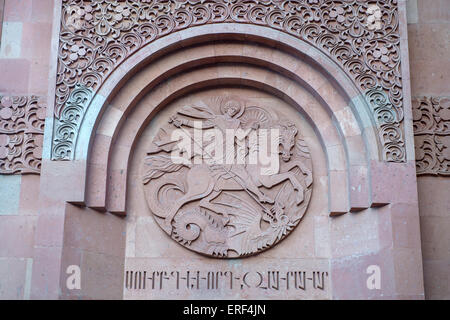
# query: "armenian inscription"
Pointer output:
{"type": "Point", "coordinates": [215, 280]}
{"type": "Point", "coordinates": [202, 278]}
{"type": "Point", "coordinates": [226, 179]}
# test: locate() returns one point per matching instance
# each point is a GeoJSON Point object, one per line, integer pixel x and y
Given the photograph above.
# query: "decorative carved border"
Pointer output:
{"type": "Point", "coordinates": [21, 134]}
{"type": "Point", "coordinates": [362, 36]}
{"type": "Point", "coordinates": [431, 117]}
{"type": "Point", "coordinates": [2, 10]}
{"type": "Point", "coordinates": [68, 123]}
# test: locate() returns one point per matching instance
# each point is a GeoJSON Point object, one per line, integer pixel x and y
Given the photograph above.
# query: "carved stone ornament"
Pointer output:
{"type": "Point", "coordinates": [361, 36]}
{"type": "Point", "coordinates": [68, 124]}
{"type": "Point", "coordinates": [431, 117]}
{"type": "Point", "coordinates": [22, 121]}
{"type": "Point", "coordinates": [231, 203]}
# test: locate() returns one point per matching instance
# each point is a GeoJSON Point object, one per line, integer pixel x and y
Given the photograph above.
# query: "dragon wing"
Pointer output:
{"type": "Point", "coordinates": [243, 215]}
{"type": "Point", "coordinates": [246, 220]}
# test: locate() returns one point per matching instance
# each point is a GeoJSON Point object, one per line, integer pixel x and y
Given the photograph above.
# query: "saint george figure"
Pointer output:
{"type": "Point", "coordinates": [227, 166]}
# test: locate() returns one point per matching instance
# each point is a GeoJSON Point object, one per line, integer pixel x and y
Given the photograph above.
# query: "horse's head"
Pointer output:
{"type": "Point", "coordinates": [288, 132]}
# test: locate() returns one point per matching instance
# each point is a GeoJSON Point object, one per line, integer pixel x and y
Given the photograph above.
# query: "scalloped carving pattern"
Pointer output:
{"type": "Point", "coordinates": [432, 135]}
{"type": "Point", "coordinates": [96, 37]}
{"type": "Point", "coordinates": [68, 124]}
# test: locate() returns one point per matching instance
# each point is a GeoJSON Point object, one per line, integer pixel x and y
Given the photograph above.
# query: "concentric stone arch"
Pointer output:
{"type": "Point", "coordinates": [335, 28]}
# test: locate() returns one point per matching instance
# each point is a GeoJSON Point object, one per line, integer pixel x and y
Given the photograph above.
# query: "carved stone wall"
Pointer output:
{"type": "Point", "coordinates": [363, 38]}
{"type": "Point", "coordinates": [25, 28]}
{"type": "Point", "coordinates": [324, 256]}
{"type": "Point", "coordinates": [429, 48]}
{"type": "Point", "coordinates": [227, 203]}
{"type": "Point", "coordinates": [432, 135]}
{"type": "Point", "coordinates": [21, 134]}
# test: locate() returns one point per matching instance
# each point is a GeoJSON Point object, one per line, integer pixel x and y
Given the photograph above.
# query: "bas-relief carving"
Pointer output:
{"type": "Point", "coordinates": [431, 117]}
{"type": "Point", "coordinates": [22, 121]}
{"type": "Point", "coordinates": [224, 206]}
{"type": "Point", "coordinates": [96, 37]}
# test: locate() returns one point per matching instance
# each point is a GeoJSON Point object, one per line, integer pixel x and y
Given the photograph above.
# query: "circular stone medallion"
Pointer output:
{"type": "Point", "coordinates": [226, 178]}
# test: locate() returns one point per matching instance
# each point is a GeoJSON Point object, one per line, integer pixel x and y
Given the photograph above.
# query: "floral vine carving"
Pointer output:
{"type": "Point", "coordinates": [432, 135]}
{"type": "Point", "coordinates": [362, 36]}
{"type": "Point", "coordinates": [21, 134]}
{"type": "Point", "coordinates": [67, 126]}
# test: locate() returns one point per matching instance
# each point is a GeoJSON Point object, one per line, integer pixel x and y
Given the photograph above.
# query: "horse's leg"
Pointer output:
{"type": "Point", "coordinates": [247, 182]}
{"type": "Point", "coordinates": [270, 181]}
